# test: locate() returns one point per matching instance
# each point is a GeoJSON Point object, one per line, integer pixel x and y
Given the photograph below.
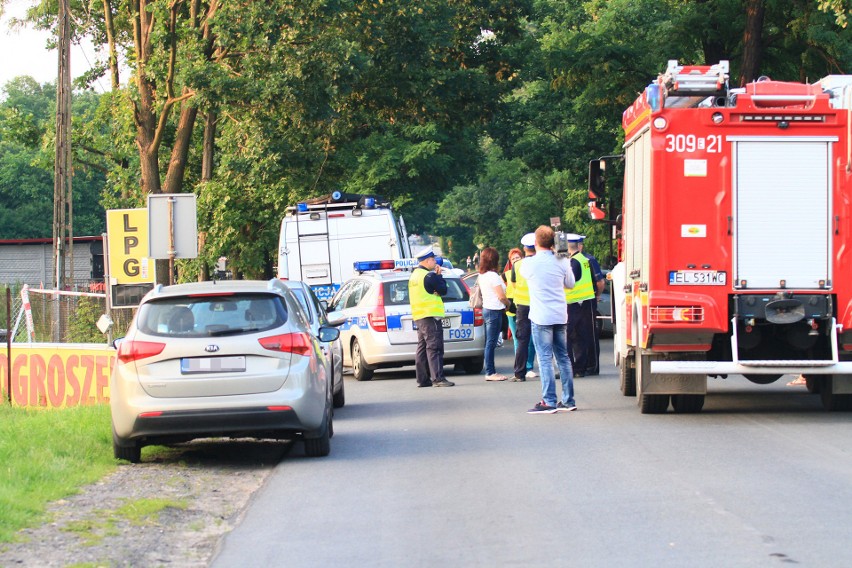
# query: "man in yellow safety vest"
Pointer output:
{"type": "Point", "coordinates": [581, 310]}
{"type": "Point", "coordinates": [425, 288]}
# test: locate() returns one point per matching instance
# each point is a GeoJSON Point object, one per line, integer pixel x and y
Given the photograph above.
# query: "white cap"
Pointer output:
{"type": "Point", "coordinates": [425, 253]}
{"type": "Point", "coordinates": [574, 237]}
{"type": "Point", "coordinates": [528, 240]}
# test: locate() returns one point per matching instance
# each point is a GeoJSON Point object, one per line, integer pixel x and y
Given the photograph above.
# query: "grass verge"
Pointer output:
{"type": "Point", "coordinates": [48, 454]}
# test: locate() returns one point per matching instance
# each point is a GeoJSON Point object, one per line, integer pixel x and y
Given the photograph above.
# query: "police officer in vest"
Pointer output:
{"type": "Point", "coordinates": [524, 349]}
{"type": "Point", "coordinates": [594, 356]}
{"type": "Point", "coordinates": [581, 314]}
{"type": "Point", "coordinates": [425, 288]}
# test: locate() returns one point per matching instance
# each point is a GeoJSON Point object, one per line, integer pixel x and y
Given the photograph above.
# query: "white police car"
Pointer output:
{"type": "Point", "coordinates": [378, 331]}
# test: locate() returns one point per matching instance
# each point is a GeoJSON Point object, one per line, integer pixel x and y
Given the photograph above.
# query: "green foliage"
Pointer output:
{"type": "Point", "coordinates": [48, 455]}
{"type": "Point", "coordinates": [82, 328]}
{"type": "Point", "coordinates": [476, 118]}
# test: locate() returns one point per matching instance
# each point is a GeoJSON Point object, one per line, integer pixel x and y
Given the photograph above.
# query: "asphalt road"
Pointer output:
{"type": "Point", "coordinates": [465, 477]}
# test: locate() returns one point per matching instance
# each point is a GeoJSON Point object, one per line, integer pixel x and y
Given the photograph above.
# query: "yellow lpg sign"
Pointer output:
{"type": "Point", "coordinates": [127, 234]}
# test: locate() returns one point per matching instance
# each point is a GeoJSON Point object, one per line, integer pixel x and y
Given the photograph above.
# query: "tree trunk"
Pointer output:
{"type": "Point", "coordinates": [109, 26]}
{"type": "Point", "coordinates": [208, 147]}
{"type": "Point", "coordinates": [752, 41]}
{"type": "Point", "coordinates": [180, 150]}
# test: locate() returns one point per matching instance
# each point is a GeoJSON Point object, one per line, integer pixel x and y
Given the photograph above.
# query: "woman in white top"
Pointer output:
{"type": "Point", "coordinates": [494, 301]}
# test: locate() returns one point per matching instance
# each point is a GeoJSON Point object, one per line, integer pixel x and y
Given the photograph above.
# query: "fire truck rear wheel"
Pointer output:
{"type": "Point", "coordinates": [653, 403]}
{"type": "Point", "coordinates": [762, 379]}
{"type": "Point", "coordinates": [812, 384]}
{"type": "Point", "coordinates": [834, 402]}
{"type": "Point", "coordinates": [628, 377]}
{"type": "Point", "coordinates": [687, 403]}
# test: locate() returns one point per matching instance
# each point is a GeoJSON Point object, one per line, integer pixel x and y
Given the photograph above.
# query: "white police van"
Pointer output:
{"type": "Point", "coordinates": [322, 238]}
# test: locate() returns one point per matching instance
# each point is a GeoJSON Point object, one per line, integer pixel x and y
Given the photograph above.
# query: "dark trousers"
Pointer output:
{"type": "Point", "coordinates": [522, 333]}
{"type": "Point", "coordinates": [429, 358]}
{"type": "Point", "coordinates": [581, 335]}
{"type": "Point", "coordinates": [594, 352]}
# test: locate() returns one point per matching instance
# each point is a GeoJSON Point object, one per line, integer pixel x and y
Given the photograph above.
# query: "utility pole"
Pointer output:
{"type": "Point", "coordinates": [62, 202]}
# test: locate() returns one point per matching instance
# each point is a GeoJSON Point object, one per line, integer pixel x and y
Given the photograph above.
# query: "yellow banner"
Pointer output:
{"type": "Point", "coordinates": [127, 235]}
{"type": "Point", "coordinates": [57, 376]}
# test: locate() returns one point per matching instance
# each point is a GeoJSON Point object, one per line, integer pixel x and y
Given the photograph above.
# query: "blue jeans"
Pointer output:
{"type": "Point", "coordinates": [493, 327]}
{"type": "Point", "coordinates": [550, 340]}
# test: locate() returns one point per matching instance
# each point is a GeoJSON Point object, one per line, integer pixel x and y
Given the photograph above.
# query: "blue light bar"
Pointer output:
{"type": "Point", "coordinates": [336, 195]}
{"type": "Point", "coordinates": [370, 203]}
{"type": "Point", "coordinates": [302, 207]}
{"type": "Point", "coordinates": [367, 265]}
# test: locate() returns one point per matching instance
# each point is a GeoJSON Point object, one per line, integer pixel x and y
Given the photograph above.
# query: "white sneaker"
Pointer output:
{"type": "Point", "coordinates": [531, 374]}
{"type": "Point", "coordinates": [499, 341]}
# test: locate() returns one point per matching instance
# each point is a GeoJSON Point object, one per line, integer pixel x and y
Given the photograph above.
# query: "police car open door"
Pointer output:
{"type": "Point", "coordinates": [782, 212]}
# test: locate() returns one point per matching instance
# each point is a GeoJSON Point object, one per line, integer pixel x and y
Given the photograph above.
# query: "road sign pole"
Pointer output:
{"type": "Point", "coordinates": [172, 250]}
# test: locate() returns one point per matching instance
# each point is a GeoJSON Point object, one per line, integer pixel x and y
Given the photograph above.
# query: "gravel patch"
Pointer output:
{"type": "Point", "coordinates": [194, 495]}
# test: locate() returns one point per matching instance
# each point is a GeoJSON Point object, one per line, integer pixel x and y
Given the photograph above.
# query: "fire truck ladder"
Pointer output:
{"type": "Point", "coordinates": [694, 80]}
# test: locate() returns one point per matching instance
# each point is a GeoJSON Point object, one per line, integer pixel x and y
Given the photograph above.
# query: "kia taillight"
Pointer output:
{"type": "Point", "coordinates": [477, 317]}
{"type": "Point", "coordinates": [298, 343]}
{"type": "Point", "coordinates": [129, 350]}
{"type": "Point", "coordinates": [376, 317]}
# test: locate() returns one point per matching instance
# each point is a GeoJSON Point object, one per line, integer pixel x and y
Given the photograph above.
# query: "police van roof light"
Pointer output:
{"type": "Point", "coordinates": [367, 265]}
{"type": "Point", "coordinates": [302, 207]}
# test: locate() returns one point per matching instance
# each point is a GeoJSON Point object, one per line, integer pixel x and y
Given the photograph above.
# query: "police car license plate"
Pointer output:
{"type": "Point", "coordinates": [697, 278]}
{"type": "Point", "coordinates": [212, 365]}
{"type": "Point", "coordinates": [445, 323]}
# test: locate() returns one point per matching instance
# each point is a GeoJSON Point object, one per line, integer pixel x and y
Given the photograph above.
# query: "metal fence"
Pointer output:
{"type": "Point", "coordinates": [48, 316]}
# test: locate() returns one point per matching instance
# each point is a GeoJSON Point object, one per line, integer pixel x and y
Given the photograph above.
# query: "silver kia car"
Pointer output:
{"type": "Point", "coordinates": [221, 359]}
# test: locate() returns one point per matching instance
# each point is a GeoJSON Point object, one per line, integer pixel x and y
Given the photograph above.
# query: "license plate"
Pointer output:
{"type": "Point", "coordinates": [445, 323]}
{"type": "Point", "coordinates": [697, 278]}
{"type": "Point", "coordinates": [234, 364]}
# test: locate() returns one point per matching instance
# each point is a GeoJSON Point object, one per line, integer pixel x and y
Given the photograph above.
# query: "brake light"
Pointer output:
{"type": "Point", "coordinates": [477, 317]}
{"type": "Point", "coordinates": [376, 318]}
{"type": "Point", "coordinates": [129, 350]}
{"type": "Point", "coordinates": [676, 314]}
{"type": "Point", "coordinates": [298, 343]}
{"type": "Point", "coordinates": [210, 294]}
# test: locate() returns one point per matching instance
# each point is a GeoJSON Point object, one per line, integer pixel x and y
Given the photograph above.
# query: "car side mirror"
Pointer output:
{"type": "Point", "coordinates": [328, 334]}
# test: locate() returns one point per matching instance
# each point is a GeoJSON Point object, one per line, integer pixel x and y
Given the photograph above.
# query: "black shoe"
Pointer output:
{"type": "Point", "coordinates": [420, 385]}
{"type": "Point", "coordinates": [443, 383]}
{"type": "Point", "coordinates": [518, 380]}
{"type": "Point", "coordinates": [579, 375]}
{"type": "Point", "coordinates": [542, 408]}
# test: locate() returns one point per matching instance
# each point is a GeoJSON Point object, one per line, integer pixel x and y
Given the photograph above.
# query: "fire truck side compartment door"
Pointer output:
{"type": "Point", "coordinates": [782, 210]}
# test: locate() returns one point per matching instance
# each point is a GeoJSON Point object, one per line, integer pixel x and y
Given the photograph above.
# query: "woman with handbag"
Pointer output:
{"type": "Point", "coordinates": [494, 302]}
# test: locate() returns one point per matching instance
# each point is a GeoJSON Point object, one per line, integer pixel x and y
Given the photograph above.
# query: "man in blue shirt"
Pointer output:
{"type": "Point", "coordinates": [548, 276]}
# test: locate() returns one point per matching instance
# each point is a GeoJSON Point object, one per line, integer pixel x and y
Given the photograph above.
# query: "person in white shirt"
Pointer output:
{"type": "Point", "coordinates": [494, 302]}
{"type": "Point", "coordinates": [548, 276]}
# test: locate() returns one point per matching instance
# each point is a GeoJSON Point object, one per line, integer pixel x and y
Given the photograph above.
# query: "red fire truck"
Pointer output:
{"type": "Point", "coordinates": [735, 236]}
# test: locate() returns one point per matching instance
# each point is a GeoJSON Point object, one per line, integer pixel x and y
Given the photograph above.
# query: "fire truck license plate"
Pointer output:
{"type": "Point", "coordinates": [697, 278]}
